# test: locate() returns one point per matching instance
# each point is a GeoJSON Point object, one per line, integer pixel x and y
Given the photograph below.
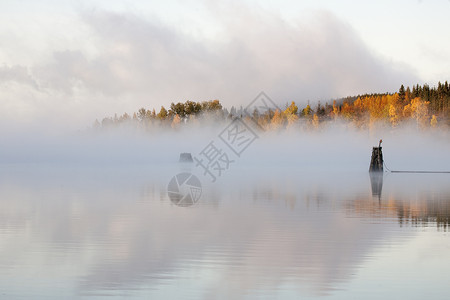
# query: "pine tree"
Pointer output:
{"type": "Point", "coordinates": [407, 94]}
{"type": "Point", "coordinates": [401, 93]}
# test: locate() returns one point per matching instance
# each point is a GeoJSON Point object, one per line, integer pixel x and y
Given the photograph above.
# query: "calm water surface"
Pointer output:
{"type": "Point", "coordinates": [95, 232]}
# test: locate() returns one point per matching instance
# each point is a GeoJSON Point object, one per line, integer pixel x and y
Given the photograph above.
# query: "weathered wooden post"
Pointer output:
{"type": "Point", "coordinates": [376, 163]}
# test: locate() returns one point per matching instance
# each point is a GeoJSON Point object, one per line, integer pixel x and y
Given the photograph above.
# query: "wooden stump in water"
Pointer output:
{"type": "Point", "coordinates": [186, 157]}
{"type": "Point", "coordinates": [376, 163]}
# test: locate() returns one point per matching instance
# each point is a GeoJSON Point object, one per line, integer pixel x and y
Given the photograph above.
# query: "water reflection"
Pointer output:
{"type": "Point", "coordinates": [376, 183]}
{"type": "Point", "coordinates": [117, 233]}
{"type": "Point", "coordinates": [415, 200]}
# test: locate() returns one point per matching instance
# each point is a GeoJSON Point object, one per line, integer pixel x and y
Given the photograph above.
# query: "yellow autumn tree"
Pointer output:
{"type": "Point", "coordinates": [278, 120]}
{"type": "Point", "coordinates": [394, 109]}
{"type": "Point", "coordinates": [335, 110]}
{"type": "Point", "coordinates": [307, 111]}
{"type": "Point", "coordinates": [407, 111]}
{"type": "Point", "coordinates": [359, 111]}
{"type": "Point", "coordinates": [420, 111]}
{"type": "Point", "coordinates": [393, 116]}
{"type": "Point", "coordinates": [176, 121]}
{"type": "Point", "coordinates": [315, 121]}
{"type": "Point", "coordinates": [291, 114]}
{"type": "Point", "coordinates": [291, 109]}
{"type": "Point", "coordinates": [347, 111]}
{"type": "Point", "coordinates": [433, 121]}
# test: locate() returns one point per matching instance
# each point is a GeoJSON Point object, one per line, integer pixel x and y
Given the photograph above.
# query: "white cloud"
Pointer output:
{"type": "Point", "coordinates": [18, 74]}
{"type": "Point", "coordinates": [140, 61]}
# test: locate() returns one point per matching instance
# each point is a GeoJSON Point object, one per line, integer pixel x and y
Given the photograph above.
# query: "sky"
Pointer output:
{"type": "Point", "coordinates": [66, 63]}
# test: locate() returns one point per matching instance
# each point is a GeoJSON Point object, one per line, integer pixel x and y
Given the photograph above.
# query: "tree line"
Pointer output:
{"type": "Point", "coordinates": [423, 105]}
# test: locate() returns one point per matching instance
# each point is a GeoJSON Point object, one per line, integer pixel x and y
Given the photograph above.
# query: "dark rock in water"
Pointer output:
{"type": "Point", "coordinates": [186, 157]}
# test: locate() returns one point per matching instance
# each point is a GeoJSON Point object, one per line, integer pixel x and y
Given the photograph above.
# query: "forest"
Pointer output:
{"type": "Point", "coordinates": [423, 106]}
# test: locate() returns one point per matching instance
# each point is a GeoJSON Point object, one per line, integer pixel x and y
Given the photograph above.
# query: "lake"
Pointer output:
{"type": "Point", "coordinates": [96, 231]}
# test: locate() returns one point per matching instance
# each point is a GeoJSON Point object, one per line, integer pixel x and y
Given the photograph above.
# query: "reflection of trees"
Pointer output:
{"type": "Point", "coordinates": [422, 211]}
{"type": "Point", "coordinates": [126, 236]}
{"type": "Point", "coordinates": [404, 202]}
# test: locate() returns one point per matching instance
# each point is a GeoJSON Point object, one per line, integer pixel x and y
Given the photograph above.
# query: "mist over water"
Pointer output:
{"type": "Point", "coordinates": [338, 147]}
{"type": "Point", "coordinates": [297, 214]}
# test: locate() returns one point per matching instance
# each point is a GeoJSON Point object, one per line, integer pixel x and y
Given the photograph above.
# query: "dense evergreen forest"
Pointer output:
{"type": "Point", "coordinates": [423, 106]}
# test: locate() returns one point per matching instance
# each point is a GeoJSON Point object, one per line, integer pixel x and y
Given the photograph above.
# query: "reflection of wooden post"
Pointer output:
{"type": "Point", "coordinates": [376, 163]}
{"type": "Point", "coordinates": [376, 182]}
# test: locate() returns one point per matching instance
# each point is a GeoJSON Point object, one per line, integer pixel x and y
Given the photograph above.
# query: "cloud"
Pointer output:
{"type": "Point", "coordinates": [18, 74]}
{"type": "Point", "coordinates": [141, 61]}
{"type": "Point", "coordinates": [319, 58]}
